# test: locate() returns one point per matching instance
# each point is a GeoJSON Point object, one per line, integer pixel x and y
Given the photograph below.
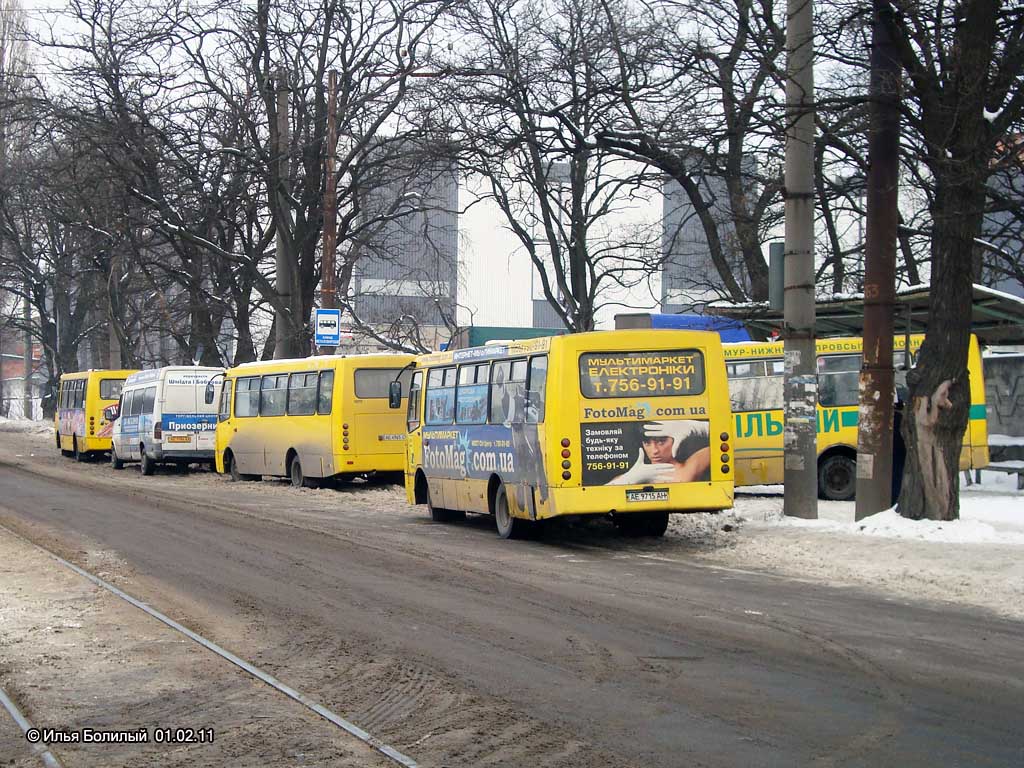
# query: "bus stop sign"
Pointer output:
{"type": "Point", "coordinates": [327, 327]}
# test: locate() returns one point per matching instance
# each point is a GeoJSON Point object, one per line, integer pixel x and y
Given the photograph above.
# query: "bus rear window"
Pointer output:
{"type": "Point", "coordinates": [374, 382]}
{"type": "Point", "coordinates": [660, 373]}
{"type": "Point", "coordinates": [110, 389]}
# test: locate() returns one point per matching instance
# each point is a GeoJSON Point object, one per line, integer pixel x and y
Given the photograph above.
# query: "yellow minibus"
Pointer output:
{"type": "Point", "coordinates": [755, 389]}
{"type": "Point", "coordinates": [635, 424]}
{"type": "Point", "coordinates": [79, 425]}
{"type": "Point", "coordinates": [310, 419]}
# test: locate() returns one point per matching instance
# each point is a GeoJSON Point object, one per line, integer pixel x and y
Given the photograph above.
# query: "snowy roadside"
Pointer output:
{"type": "Point", "coordinates": [975, 561]}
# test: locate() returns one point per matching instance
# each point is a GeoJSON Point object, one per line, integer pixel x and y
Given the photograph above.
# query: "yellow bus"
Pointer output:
{"type": "Point", "coordinates": [635, 424]}
{"type": "Point", "coordinates": [755, 390]}
{"type": "Point", "coordinates": [310, 419]}
{"type": "Point", "coordinates": [80, 428]}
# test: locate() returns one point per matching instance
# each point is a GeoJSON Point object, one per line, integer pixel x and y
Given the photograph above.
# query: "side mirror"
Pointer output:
{"type": "Point", "coordinates": [111, 412]}
{"type": "Point", "coordinates": [208, 395]}
{"type": "Point", "coordinates": [395, 394]}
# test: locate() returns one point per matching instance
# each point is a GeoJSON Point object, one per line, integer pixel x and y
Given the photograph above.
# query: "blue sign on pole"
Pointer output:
{"type": "Point", "coordinates": [327, 327]}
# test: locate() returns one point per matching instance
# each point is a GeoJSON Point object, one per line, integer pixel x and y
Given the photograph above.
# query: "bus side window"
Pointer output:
{"type": "Point", "coordinates": [224, 412]}
{"type": "Point", "coordinates": [325, 394]}
{"type": "Point", "coordinates": [80, 393]}
{"type": "Point", "coordinates": [838, 380]}
{"type": "Point", "coordinates": [499, 399]}
{"type": "Point", "coordinates": [148, 400]}
{"type": "Point", "coordinates": [440, 396]}
{"type": "Point", "coordinates": [302, 394]}
{"type": "Point", "coordinates": [138, 398]}
{"type": "Point", "coordinates": [412, 416]}
{"type": "Point", "coordinates": [247, 397]}
{"type": "Point", "coordinates": [536, 385]}
{"type": "Point", "coordinates": [273, 394]}
{"type": "Point", "coordinates": [126, 402]}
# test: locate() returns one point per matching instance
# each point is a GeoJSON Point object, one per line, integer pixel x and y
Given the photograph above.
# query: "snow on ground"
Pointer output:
{"type": "Point", "coordinates": [25, 425]}
{"type": "Point", "coordinates": [991, 512]}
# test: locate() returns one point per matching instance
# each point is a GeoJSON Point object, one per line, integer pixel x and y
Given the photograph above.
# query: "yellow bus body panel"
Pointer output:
{"type": "Point", "coordinates": [86, 424]}
{"type": "Point", "coordinates": [358, 436]}
{"type": "Point", "coordinates": [759, 434]}
{"type": "Point", "coordinates": [566, 412]}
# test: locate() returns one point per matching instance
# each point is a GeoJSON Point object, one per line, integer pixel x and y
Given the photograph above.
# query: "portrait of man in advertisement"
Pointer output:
{"type": "Point", "coordinates": [673, 451]}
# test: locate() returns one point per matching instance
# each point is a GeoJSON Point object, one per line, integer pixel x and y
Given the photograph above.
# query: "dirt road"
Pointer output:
{"type": "Point", "coordinates": [581, 650]}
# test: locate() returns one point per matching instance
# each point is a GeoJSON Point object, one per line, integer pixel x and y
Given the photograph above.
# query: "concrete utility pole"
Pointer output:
{"type": "Point", "coordinates": [285, 288]}
{"type": "Point", "coordinates": [874, 433]}
{"type": "Point", "coordinates": [800, 382]}
{"type": "Point", "coordinates": [26, 391]}
{"type": "Point", "coordinates": [327, 297]}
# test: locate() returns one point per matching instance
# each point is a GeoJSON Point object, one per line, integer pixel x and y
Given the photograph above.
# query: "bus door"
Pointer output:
{"type": "Point", "coordinates": [414, 437]}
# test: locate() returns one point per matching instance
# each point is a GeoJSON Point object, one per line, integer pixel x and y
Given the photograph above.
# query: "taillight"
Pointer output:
{"type": "Point", "coordinates": [724, 447]}
{"type": "Point", "coordinates": [158, 431]}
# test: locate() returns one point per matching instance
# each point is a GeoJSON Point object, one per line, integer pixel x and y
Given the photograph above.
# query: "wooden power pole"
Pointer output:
{"type": "Point", "coordinates": [327, 297]}
{"type": "Point", "coordinates": [874, 431]}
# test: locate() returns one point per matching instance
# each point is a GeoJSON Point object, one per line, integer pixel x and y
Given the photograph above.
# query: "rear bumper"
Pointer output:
{"type": "Point", "coordinates": [602, 499]}
{"type": "Point", "coordinates": [162, 454]}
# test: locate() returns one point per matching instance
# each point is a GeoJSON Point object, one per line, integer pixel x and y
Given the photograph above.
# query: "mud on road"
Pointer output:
{"type": "Point", "coordinates": [582, 650]}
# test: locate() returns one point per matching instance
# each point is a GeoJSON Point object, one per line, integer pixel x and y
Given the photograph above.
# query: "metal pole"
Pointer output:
{"type": "Point", "coordinates": [800, 387]}
{"type": "Point", "coordinates": [327, 297]}
{"type": "Point", "coordinates": [285, 323]}
{"type": "Point", "coordinates": [875, 424]}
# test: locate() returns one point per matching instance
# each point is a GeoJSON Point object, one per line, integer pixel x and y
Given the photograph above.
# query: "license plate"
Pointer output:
{"type": "Point", "coordinates": [652, 494]}
{"type": "Point", "coordinates": [179, 439]}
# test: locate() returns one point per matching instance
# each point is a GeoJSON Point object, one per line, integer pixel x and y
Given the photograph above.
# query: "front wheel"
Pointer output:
{"type": "Point", "coordinates": [236, 476]}
{"type": "Point", "coordinates": [115, 462]}
{"type": "Point", "coordinates": [508, 527]}
{"type": "Point", "coordinates": [147, 465]}
{"type": "Point", "coordinates": [837, 478]}
{"type": "Point", "coordinates": [442, 515]}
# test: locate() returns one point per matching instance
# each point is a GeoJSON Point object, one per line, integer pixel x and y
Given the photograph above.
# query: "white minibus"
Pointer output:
{"type": "Point", "coordinates": [162, 418]}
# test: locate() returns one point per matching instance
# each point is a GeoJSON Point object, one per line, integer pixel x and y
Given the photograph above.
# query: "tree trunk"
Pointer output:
{"type": "Point", "coordinates": [937, 415]}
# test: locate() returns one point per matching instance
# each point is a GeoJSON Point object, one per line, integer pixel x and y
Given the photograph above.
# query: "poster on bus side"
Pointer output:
{"type": "Point", "coordinates": [645, 452]}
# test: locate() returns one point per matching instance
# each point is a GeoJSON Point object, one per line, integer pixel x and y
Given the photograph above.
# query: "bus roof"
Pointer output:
{"type": "Point", "coordinates": [100, 372]}
{"type": "Point", "coordinates": [638, 339]}
{"type": "Point", "coordinates": [324, 361]}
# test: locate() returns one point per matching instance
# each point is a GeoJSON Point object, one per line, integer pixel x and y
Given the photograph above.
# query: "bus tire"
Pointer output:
{"type": "Point", "coordinates": [441, 514]}
{"type": "Point", "coordinates": [508, 527]}
{"type": "Point", "coordinates": [236, 476]}
{"type": "Point", "coordinates": [146, 465]}
{"type": "Point", "coordinates": [837, 477]}
{"type": "Point", "coordinates": [115, 462]}
{"type": "Point", "coordinates": [655, 524]}
{"type": "Point", "coordinates": [299, 480]}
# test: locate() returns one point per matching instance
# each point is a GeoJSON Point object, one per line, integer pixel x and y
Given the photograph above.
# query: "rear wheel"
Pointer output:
{"type": "Point", "coordinates": [115, 462]}
{"type": "Point", "coordinates": [508, 527]}
{"type": "Point", "coordinates": [78, 453]}
{"type": "Point", "coordinates": [146, 464]}
{"type": "Point", "coordinates": [299, 480]}
{"type": "Point", "coordinates": [837, 477]}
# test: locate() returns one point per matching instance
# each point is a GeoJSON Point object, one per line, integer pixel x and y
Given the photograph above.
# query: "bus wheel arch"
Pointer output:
{"type": "Point", "coordinates": [76, 450]}
{"type": "Point", "coordinates": [421, 492]}
{"type": "Point", "coordinates": [293, 470]}
{"type": "Point", "coordinates": [508, 527]}
{"type": "Point", "coordinates": [837, 474]}
{"type": "Point", "coordinates": [146, 465]}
